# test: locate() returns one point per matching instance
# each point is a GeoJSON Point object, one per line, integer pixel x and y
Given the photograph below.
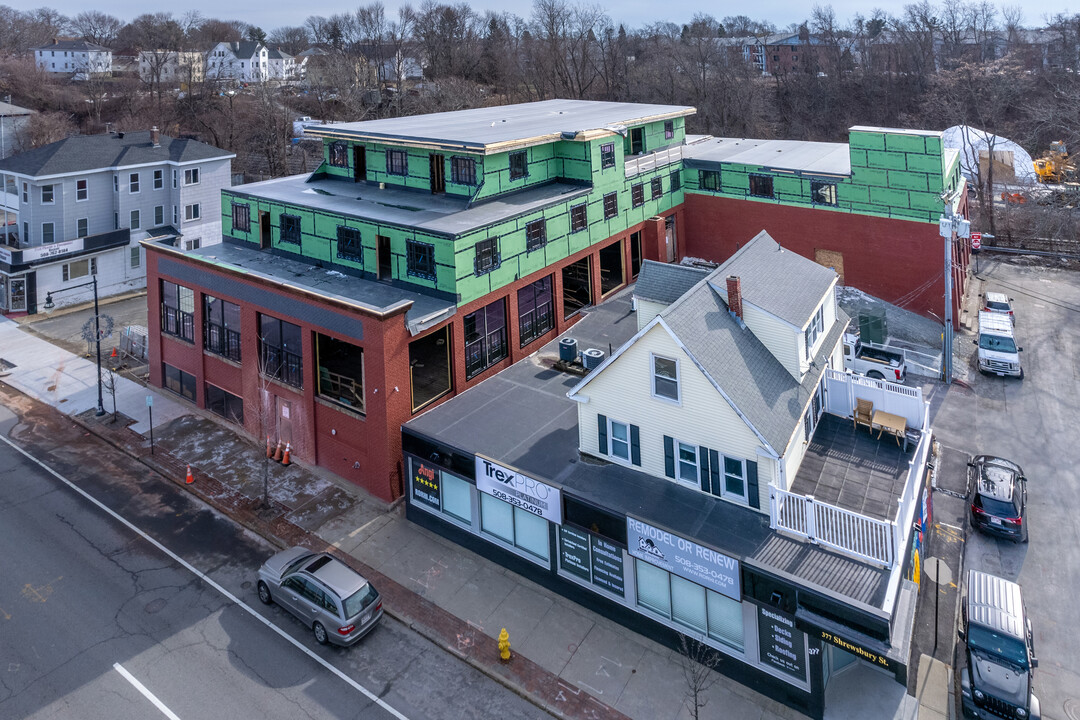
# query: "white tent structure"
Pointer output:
{"type": "Point", "coordinates": [973, 143]}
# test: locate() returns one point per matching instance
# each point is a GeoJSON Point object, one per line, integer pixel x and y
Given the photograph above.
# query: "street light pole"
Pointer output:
{"type": "Point", "coordinates": [49, 305]}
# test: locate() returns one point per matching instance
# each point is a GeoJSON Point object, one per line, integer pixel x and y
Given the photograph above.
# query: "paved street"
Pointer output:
{"type": "Point", "coordinates": [1033, 422]}
{"type": "Point", "coordinates": [99, 623]}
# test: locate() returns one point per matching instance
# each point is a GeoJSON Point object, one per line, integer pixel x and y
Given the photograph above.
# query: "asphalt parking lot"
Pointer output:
{"type": "Point", "coordinates": [1036, 423]}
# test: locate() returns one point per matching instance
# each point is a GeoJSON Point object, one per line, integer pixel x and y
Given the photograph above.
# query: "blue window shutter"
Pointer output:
{"type": "Point", "coordinates": [669, 457]}
{"type": "Point", "coordinates": [714, 472]}
{"type": "Point", "coordinates": [635, 445]}
{"type": "Point", "coordinates": [703, 467]}
{"type": "Point", "coordinates": [601, 426]}
{"type": "Point", "coordinates": [751, 484]}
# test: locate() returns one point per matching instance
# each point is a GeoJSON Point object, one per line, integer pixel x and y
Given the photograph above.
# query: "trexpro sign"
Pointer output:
{"type": "Point", "coordinates": [683, 557]}
{"type": "Point", "coordinates": [519, 490]}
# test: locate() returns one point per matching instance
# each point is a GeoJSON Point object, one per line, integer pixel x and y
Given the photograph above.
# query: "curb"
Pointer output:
{"type": "Point", "coordinates": [283, 533]}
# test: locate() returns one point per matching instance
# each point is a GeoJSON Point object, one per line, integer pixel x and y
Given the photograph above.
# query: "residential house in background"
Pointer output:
{"type": "Point", "coordinates": [707, 479]}
{"type": "Point", "coordinates": [282, 65]}
{"type": "Point", "coordinates": [13, 121]}
{"type": "Point", "coordinates": [85, 203]}
{"type": "Point", "coordinates": [171, 66]}
{"type": "Point", "coordinates": [241, 61]}
{"type": "Point", "coordinates": [78, 59]}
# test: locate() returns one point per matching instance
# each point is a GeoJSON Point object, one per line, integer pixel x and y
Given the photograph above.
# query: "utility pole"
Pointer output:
{"type": "Point", "coordinates": [949, 227]}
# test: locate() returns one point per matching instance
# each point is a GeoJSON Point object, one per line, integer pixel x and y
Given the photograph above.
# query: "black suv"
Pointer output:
{"type": "Point", "coordinates": [997, 490]}
{"type": "Point", "coordinates": [999, 649]}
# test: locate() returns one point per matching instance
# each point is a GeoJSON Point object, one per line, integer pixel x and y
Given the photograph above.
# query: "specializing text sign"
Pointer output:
{"type": "Point", "coordinates": [780, 644]}
{"type": "Point", "coordinates": [519, 490]}
{"type": "Point", "coordinates": [683, 557]}
{"type": "Point", "coordinates": [425, 484]}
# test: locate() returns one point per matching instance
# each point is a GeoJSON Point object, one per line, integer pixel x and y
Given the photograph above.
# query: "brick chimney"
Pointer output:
{"type": "Point", "coordinates": [155, 137]}
{"type": "Point", "coordinates": [734, 295]}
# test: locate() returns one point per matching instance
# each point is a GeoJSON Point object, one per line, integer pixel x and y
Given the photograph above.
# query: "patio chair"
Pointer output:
{"type": "Point", "coordinates": [864, 412]}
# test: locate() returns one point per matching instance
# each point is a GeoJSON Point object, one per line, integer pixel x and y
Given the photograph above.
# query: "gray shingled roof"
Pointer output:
{"type": "Point", "coordinates": [244, 50]}
{"type": "Point", "coordinates": [92, 152]}
{"type": "Point", "coordinates": [666, 283]}
{"type": "Point", "coordinates": [777, 280]}
{"type": "Point", "coordinates": [77, 45]}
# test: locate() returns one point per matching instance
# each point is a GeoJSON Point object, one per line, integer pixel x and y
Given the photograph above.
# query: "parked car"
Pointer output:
{"type": "Point", "coordinates": [337, 603]}
{"type": "Point", "coordinates": [996, 302]}
{"type": "Point", "coordinates": [997, 489]}
{"type": "Point", "coordinates": [999, 649]}
{"type": "Point", "coordinates": [998, 352]}
{"type": "Point", "coordinates": [876, 363]}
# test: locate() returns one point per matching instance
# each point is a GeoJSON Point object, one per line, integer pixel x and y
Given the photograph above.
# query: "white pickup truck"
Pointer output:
{"type": "Point", "coordinates": [875, 363]}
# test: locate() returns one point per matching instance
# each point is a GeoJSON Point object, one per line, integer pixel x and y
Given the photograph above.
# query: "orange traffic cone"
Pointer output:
{"type": "Point", "coordinates": [113, 353]}
{"type": "Point", "coordinates": [277, 453]}
{"type": "Point", "coordinates": [285, 459]}
{"type": "Point", "coordinates": [190, 478]}
{"type": "Point", "coordinates": [269, 448]}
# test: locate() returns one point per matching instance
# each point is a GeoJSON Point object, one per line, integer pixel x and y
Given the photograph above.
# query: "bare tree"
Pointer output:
{"type": "Point", "coordinates": [698, 663]}
{"type": "Point", "coordinates": [293, 40]}
{"type": "Point", "coordinates": [97, 27]}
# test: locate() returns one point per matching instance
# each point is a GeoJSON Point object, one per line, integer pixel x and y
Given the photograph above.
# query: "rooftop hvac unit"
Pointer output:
{"type": "Point", "coordinates": [592, 358]}
{"type": "Point", "coordinates": [568, 350]}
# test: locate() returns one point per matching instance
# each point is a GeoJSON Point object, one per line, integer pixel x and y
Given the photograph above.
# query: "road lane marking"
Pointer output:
{"type": "Point", "coordinates": [146, 693]}
{"type": "Point", "coordinates": [205, 578]}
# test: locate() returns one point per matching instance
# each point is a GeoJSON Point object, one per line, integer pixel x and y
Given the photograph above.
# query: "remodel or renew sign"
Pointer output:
{"type": "Point", "coordinates": [519, 490]}
{"type": "Point", "coordinates": [683, 557]}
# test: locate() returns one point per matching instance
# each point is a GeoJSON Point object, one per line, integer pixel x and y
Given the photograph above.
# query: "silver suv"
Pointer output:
{"type": "Point", "coordinates": [997, 302]}
{"type": "Point", "coordinates": [325, 594]}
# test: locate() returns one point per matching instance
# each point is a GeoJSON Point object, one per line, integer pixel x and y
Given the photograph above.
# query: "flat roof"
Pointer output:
{"type": "Point", "coordinates": [492, 129]}
{"type": "Point", "coordinates": [522, 418]}
{"type": "Point", "coordinates": [811, 158]}
{"type": "Point", "coordinates": [442, 214]}
{"type": "Point", "coordinates": [370, 295]}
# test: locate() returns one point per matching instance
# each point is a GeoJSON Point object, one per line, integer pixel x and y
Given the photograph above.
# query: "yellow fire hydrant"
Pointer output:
{"type": "Point", "coordinates": [504, 645]}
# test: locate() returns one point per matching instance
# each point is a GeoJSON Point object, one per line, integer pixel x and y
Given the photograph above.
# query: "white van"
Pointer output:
{"type": "Point", "coordinates": [998, 352]}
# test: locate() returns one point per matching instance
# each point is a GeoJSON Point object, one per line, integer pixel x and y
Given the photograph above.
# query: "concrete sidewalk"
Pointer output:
{"type": "Point", "coordinates": [569, 660]}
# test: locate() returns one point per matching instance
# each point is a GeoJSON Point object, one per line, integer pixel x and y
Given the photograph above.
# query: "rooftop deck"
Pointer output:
{"type": "Point", "coordinates": [853, 470]}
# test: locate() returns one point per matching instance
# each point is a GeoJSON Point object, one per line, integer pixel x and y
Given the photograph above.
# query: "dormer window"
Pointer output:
{"type": "Point", "coordinates": [665, 378]}
{"type": "Point", "coordinates": [814, 329]}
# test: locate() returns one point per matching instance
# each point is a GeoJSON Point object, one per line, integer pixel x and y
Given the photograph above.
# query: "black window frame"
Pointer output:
{"type": "Point", "coordinates": [276, 359]}
{"type": "Point", "coordinates": [487, 256]}
{"type": "Point", "coordinates": [242, 212]}
{"type": "Point", "coordinates": [420, 259]}
{"type": "Point", "coordinates": [669, 129]}
{"type": "Point", "coordinates": [536, 318]}
{"type": "Point", "coordinates": [760, 192]}
{"type": "Point", "coordinates": [223, 403]}
{"type": "Point", "coordinates": [462, 170]}
{"type": "Point", "coordinates": [350, 245]}
{"type": "Point", "coordinates": [182, 379]}
{"type": "Point", "coordinates": [675, 180]}
{"type": "Point", "coordinates": [656, 186]}
{"type": "Point", "coordinates": [535, 235]}
{"type": "Point", "coordinates": [816, 186]}
{"type": "Point", "coordinates": [611, 198]}
{"type": "Point", "coordinates": [521, 159]}
{"type": "Point", "coordinates": [607, 156]}
{"type": "Point", "coordinates": [488, 345]}
{"type": "Point", "coordinates": [175, 321]}
{"type": "Point", "coordinates": [709, 180]}
{"type": "Point", "coordinates": [286, 235]}
{"type": "Point", "coordinates": [579, 217]}
{"type": "Point", "coordinates": [637, 195]}
{"type": "Point", "coordinates": [339, 154]}
{"type": "Point", "coordinates": [220, 337]}
{"type": "Point", "coordinates": [397, 162]}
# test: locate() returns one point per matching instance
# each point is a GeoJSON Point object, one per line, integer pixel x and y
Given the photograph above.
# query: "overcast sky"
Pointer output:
{"type": "Point", "coordinates": [270, 14]}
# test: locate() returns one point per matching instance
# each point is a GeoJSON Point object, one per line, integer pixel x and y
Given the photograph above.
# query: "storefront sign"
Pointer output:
{"type": "Point", "coordinates": [574, 552]}
{"type": "Point", "coordinates": [780, 644]}
{"type": "Point", "coordinates": [519, 490]}
{"type": "Point", "coordinates": [607, 565]}
{"type": "Point", "coordinates": [5, 256]}
{"type": "Point", "coordinates": [868, 655]}
{"type": "Point", "coordinates": [683, 557]}
{"type": "Point", "coordinates": [425, 484]}
{"type": "Point", "coordinates": [44, 252]}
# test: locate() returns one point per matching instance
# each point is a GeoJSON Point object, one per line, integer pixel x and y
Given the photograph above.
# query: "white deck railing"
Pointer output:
{"type": "Point", "coordinates": [877, 541]}
{"type": "Point", "coordinates": [653, 160]}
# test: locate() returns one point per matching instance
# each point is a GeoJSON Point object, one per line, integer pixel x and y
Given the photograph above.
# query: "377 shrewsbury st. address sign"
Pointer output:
{"type": "Point", "coordinates": [519, 490]}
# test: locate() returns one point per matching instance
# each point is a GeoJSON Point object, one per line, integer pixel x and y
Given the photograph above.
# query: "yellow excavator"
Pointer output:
{"type": "Point", "coordinates": [1055, 166]}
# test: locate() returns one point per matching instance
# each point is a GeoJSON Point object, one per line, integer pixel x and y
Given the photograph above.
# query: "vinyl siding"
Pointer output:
{"type": "Point", "coordinates": [647, 310]}
{"type": "Point", "coordinates": [829, 318]}
{"type": "Point", "coordinates": [623, 392]}
{"type": "Point", "coordinates": [780, 338]}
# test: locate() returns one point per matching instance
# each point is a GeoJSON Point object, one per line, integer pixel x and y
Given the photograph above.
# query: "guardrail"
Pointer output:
{"type": "Point", "coordinates": [824, 524]}
{"type": "Point", "coordinates": [651, 161]}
